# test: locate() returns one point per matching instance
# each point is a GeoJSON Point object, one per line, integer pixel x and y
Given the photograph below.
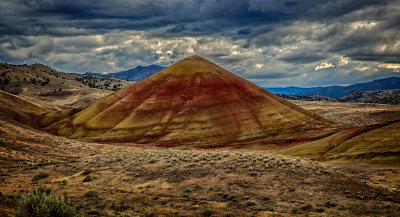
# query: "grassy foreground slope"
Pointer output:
{"type": "Point", "coordinates": [121, 180]}
{"type": "Point", "coordinates": [195, 103]}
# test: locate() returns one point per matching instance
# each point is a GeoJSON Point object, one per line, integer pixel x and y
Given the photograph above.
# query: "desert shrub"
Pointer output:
{"type": "Point", "coordinates": [93, 211]}
{"type": "Point", "coordinates": [250, 203]}
{"type": "Point", "coordinates": [41, 175]}
{"type": "Point", "coordinates": [88, 178]}
{"type": "Point", "coordinates": [208, 212]}
{"type": "Point", "coordinates": [87, 171]}
{"type": "Point", "coordinates": [330, 204]}
{"type": "Point", "coordinates": [232, 197]}
{"type": "Point", "coordinates": [40, 204]}
{"type": "Point", "coordinates": [360, 197]}
{"type": "Point", "coordinates": [91, 194]}
{"type": "Point", "coordinates": [153, 161]}
{"type": "Point", "coordinates": [121, 207]}
{"type": "Point", "coordinates": [306, 207]}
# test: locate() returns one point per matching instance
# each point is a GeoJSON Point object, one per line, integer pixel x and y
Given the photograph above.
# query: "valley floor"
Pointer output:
{"type": "Point", "coordinates": [352, 114]}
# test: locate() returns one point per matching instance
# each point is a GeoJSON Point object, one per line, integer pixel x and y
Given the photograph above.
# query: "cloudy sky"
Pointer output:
{"type": "Point", "coordinates": [269, 42]}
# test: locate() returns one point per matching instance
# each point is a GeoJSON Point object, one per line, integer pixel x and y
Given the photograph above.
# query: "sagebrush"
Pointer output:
{"type": "Point", "coordinates": [38, 203]}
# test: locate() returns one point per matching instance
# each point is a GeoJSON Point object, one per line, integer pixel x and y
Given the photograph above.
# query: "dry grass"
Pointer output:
{"type": "Point", "coordinates": [134, 181]}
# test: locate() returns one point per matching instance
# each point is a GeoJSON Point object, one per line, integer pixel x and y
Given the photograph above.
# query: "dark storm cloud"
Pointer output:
{"type": "Point", "coordinates": [302, 57]}
{"type": "Point", "coordinates": [255, 38]}
{"type": "Point", "coordinates": [151, 14]}
{"type": "Point", "coordinates": [273, 75]}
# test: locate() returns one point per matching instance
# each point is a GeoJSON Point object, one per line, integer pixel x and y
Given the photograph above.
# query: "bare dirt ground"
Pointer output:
{"type": "Point", "coordinates": [352, 114]}
{"type": "Point", "coordinates": [126, 180]}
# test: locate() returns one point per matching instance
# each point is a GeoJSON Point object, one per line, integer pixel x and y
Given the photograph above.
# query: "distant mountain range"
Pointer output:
{"type": "Point", "coordinates": [136, 74]}
{"type": "Point", "coordinates": [340, 91]}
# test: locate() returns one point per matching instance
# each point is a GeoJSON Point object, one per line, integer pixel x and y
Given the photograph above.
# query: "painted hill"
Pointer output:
{"type": "Point", "coordinates": [16, 109]}
{"type": "Point", "coordinates": [374, 144]}
{"type": "Point", "coordinates": [136, 74]}
{"type": "Point", "coordinates": [380, 146]}
{"type": "Point", "coordinates": [196, 103]}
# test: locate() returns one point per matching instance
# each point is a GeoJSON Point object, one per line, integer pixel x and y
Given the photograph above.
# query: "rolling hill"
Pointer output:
{"type": "Point", "coordinates": [380, 146]}
{"type": "Point", "coordinates": [16, 109]}
{"type": "Point", "coordinates": [195, 103]}
{"type": "Point", "coordinates": [136, 74]}
{"type": "Point", "coordinates": [373, 144]}
{"type": "Point", "coordinates": [53, 89]}
{"type": "Point", "coordinates": [373, 96]}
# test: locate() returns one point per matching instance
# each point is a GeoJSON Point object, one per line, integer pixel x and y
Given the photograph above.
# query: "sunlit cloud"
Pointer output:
{"type": "Point", "coordinates": [324, 65]}
{"type": "Point", "coordinates": [392, 67]}
{"type": "Point", "coordinates": [343, 61]}
{"type": "Point", "coordinates": [259, 66]}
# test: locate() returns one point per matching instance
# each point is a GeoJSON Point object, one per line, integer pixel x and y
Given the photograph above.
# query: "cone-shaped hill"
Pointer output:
{"type": "Point", "coordinates": [194, 102]}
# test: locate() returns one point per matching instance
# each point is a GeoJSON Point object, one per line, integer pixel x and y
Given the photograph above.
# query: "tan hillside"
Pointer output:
{"type": "Point", "coordinates": [372, 144]}
{"type": "Point", "coordinates": [54, 89]}
{"type": "Point", "coordinates": [380, 146]}
{"type": "Point", "coordinates": [318, 148]}
{"type": "Point", "coordinates": [196, 103]}
{"type": "Point", "coordinates": [16, 109]}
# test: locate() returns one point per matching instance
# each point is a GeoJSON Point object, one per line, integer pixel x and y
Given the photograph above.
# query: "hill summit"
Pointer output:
{"type": "Point", "coordinates": [196, 103]}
